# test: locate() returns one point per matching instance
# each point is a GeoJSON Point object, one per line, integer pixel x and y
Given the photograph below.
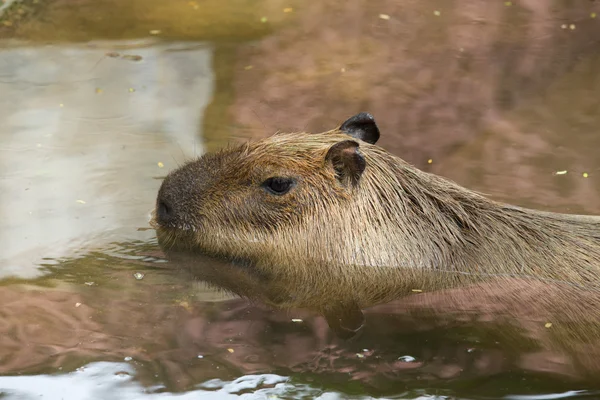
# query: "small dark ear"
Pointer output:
{"type": "Point", "coordinates": [362, 126]}
{"type": "Point", "coordinates": [347, 161]}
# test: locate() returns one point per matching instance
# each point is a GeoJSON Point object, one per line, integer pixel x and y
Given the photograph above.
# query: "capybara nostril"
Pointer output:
{"type": "Point", "coordinates": [165, 212]}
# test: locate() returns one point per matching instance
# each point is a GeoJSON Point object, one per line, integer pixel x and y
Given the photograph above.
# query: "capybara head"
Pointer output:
{"type": "Point", "coordinates": [250, 194]}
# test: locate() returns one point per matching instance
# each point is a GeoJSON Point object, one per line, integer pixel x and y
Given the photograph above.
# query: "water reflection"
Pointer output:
{"type": "Point", "coordinates": [84, 130]}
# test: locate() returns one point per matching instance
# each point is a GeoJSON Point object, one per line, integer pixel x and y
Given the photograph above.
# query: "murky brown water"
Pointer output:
{"type": "Point", "coordinates": [100, 99]}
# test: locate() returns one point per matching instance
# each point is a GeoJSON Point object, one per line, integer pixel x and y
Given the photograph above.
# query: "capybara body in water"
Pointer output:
{"type": "Point", "coordinates": [334, 223]}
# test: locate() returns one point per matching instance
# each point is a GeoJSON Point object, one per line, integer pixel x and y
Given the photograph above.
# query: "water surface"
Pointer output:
{"type": "Point", "coordinates": [100, 100]}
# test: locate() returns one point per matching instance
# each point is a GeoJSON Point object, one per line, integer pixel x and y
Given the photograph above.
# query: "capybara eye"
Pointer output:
{"type": "Point", "coordinates": [278, 185]}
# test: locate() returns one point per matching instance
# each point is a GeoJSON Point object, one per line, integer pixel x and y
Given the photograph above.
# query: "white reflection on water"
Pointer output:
{"type": "Point", "coordinates": [114, 381]}
{"type": "Point", "coordinates": [81, 136]}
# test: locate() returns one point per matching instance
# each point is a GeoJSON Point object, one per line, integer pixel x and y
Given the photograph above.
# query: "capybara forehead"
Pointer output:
{"type": "Point", "coordinates": [300, 152]}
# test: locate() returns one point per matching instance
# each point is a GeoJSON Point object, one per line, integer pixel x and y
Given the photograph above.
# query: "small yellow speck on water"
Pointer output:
{"type": "Point", "coordinates": [230, 350]}
{"type": "Point", "coordinates": [263, 19]}
{"type": "Point", "coordinates": [564, 26]}
{"type": "Point", "coordinates": [563, 172]}
{"type": "Point", "coordinates": [416, 290]}
{"type": "Point", "coordinates": [80, 201]}
{"type": "Point", "coordinates": [98, 90]}
{"type": "Point", "coordinates": [585, 175]}
{"type": "Point", "coordinates": [548, 324]}
{"type": "Point", "coordinates": [572, 27]}
{"type": "Point", "coordinates": [437, 13]}
{"type": "Point", "coordinates": [593, 15]}
{"type": "Point", "coordinates": [429, 161]}
{"type": "Point", "coordinates": [508, 3]}
{"type": "Point", "coordinates": [160, 164]}
{"type": "Point", "coordinates": [131, 90]}
{"type": "Point", "coordinates": [248, 67]}
{"type": "Point", "coordinates": [77, 304]}
{"type": "Point", "coordinates": [288, 10]}
{"type": "Point", "coordinates": [384, 16]}
{"type": "Point", "coordinates": [155, 32]}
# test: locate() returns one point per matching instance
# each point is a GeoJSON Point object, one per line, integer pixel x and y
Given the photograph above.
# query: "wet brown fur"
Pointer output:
{"type": "Point", "coordinates": [397, 231]}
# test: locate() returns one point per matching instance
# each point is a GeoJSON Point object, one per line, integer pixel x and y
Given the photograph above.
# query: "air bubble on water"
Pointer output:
{"type": "Point", "coordinates": [407, 359]}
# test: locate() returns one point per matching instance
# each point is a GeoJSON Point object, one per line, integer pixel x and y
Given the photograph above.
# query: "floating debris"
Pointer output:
{"type": "Point", "coordinates": [429, 161]}
{"type": "Point", "coordinates": [89, 283]}
{"type": "Point", "coordinates": [80, 201]}
{"type": "Point", "coordinates": [248, 67]}
{"type": "Point", "coordinates": [61, 105]}
{"type": "Point", "coordinates": [564, 26]}
{"type": "Point", "coordinates": [585, 175]}
{"type": "Point", "coordinates": [548, 325]}
{"type": "Point", "coordinates": [263, 20]}
{"type": "Point", "coordinates": [343, 70]}
{"type": "Point", "coordinates": [138, 275]}
{"type": "Point", "coordinates": [470, 349]}
{"type": "Point", "coordinates": [288, 10]}
{"type": "Point", "coordinates": [132, 57]}
{"type": "Point", "coordinates": [384, 16]}
{"type": "Point", "coordinates": [131, 90]}
{"type": "Point", "coordinates": [359, 355]}
{"type": "Point", "coordinates": [128, 358]}
{"type": "Point", "coordinates": [563, 172]}
{"type": "Point", "coordinates": [572, 27]}
{"type": "Point", "coordinates": [160, 164]}
{"type": "Point", "coordinates": [77, 304]}
{"type": "Point", "coordinates": [98, 90]}
{"type": "Point", "coordinates": [200, 356]}
{"type": "Point", "coordinates": [296, 320]}
{"type": "Point", "coordinates": [230, 350]}
{"type": "Point", "coordinates": [416, 290]}
{"type": "Point", "coordinates": [437, 13]}
{"type": "Point", "coordinates": [155, 32]}
{"type": "Point", "coordinates": [407, 359]}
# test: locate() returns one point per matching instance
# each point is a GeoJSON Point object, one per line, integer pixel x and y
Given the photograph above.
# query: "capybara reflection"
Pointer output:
{"type": "Point", "coordinates": [334, 223]}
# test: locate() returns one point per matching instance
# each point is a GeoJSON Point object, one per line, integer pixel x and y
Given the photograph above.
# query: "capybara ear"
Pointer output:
{"type": "Point", "coordinates": [361, 126]}
{"type": "Point", "coordinates": [347, 161]}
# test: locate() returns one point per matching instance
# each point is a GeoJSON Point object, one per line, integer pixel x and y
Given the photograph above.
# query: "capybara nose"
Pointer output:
{"type": "Point", "coordinates": [164, 211]}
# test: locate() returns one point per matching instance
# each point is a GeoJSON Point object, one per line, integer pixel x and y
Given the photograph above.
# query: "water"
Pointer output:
{"type": "Point", "coordinates": [98, 102]}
